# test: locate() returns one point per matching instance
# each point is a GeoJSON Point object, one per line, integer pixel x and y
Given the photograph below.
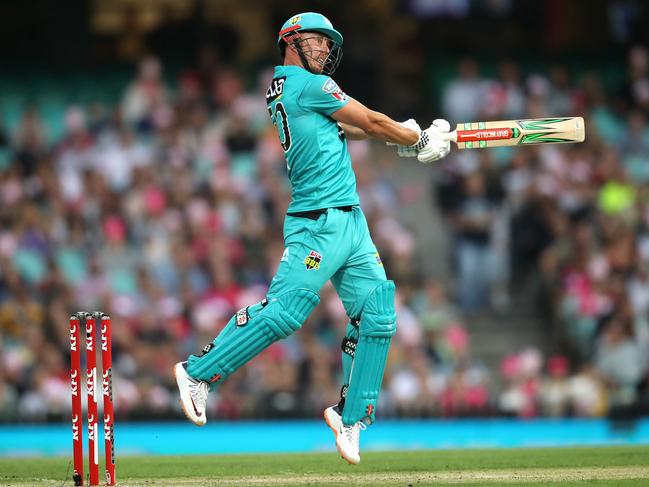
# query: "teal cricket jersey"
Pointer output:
{"type": "Point", "coordinates": [318, 162]}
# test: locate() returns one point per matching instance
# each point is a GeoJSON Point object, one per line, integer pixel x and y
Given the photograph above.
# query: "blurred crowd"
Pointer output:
{"type": "Point", "coordinates": [165, 210]}
{"type": "Point", "coordinates": [574, 219]}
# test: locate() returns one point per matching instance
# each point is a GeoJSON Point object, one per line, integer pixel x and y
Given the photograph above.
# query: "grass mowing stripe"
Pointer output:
{"type": "Point", "coordinates": [488, 477]}
{"type": "Point", "coordinates": [612, 476]}
{"type": "Point", "coordinates": [380, 468]}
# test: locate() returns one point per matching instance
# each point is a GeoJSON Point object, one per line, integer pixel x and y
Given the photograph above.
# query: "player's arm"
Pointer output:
{"type": "Point", "coordinates": [374, 124]}
{"type": "Point", "coordinates": [353, 133]}
{"type": "Point", "coordinates": [321, 94]}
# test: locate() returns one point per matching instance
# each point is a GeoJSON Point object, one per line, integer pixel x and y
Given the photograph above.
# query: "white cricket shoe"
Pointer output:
{"type": "Point", "coordinates": [347, 437]}
{"type": "Point", "coordinates": [193, 394]}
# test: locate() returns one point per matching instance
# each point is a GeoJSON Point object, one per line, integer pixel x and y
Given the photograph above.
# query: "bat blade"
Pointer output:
{"type": "Point", "coordinates": [482, 135]}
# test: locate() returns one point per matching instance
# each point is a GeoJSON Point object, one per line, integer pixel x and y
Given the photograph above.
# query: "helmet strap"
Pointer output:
{"type": "Point", "coordinates": [331, 62]}
{"type": "Point", "coordinates": [303, 58]}
{"type": "Point", "coordinates": [292, 39]}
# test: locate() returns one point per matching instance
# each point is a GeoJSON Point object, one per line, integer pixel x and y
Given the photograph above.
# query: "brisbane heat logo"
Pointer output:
{"type": "Point", "coordinates": [312, 261]}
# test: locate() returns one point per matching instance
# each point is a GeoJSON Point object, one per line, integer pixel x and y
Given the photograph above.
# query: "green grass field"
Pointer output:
{"type": "Point", "coordinates": [544, 466]}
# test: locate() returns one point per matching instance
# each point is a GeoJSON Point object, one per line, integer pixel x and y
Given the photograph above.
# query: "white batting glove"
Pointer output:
{"type": "Point", "coordinates": [431, 146]}
{"type": "Point", "coordinates": [407, 150]}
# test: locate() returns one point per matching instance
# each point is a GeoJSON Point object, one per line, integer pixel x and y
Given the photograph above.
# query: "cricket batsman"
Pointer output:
{"type": "Point", "coordinates": [325, 233]}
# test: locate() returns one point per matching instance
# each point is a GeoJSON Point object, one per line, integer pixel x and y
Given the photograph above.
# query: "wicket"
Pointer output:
{"type": "Point", "coordinates": [90, 321]}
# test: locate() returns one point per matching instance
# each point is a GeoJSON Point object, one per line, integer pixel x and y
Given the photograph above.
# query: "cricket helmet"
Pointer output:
{"type": "Point", "coordinates": [312, 22]}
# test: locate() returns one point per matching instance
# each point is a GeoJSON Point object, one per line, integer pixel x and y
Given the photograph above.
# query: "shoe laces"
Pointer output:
{"type": "Point", "coordinates": [199, 391]}
{"type": "Point", "coordinates": [352, 433]}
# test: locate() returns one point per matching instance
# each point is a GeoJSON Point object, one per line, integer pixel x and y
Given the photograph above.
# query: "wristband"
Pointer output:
{"type": "Point", "coordinates": [422, 142]}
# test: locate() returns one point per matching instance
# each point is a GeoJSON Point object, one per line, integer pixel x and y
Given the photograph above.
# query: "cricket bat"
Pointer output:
{"type": "Point", "coordinates": [481, 135]}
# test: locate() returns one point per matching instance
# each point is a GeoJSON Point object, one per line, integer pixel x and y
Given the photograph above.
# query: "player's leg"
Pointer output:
{"type": "Point", "coordinates": [193, 391]}
{"type": "Point", "coordinates": [356, 283]}
{"type": "Point", "coordinates": [366, 293]}
{"type": "Point", "coordinates": [363, 366]}
{"type": "Point", "coordinates": [247, 334]}
{"type": "Point", "coordinates": [333, 414]}
{"type": "Point", "coordinates": [348, 348]}
{"type": "Point", "coordinates": [376, 328]}
{"type": "Point", "coordinates": [252, 330]}
{"type": "Point", "coordinates": [308, 262]}
{"type": "Point", "coordinates": [292, 296]}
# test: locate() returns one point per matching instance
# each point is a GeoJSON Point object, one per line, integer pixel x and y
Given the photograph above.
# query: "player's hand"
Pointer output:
{"type": "Point", "coordinates": [432, 146]}
{"type": "Point", "coordinates": [407, 150]}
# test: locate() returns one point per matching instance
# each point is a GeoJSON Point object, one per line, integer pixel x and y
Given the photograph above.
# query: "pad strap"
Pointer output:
{"type": "Point", "coordinates": [349, 346]}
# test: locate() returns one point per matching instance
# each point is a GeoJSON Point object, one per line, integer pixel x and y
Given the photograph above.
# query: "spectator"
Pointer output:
{"type": "Point", "coordinates": [619, 359]}
{"type": "Point", "coordinates": [463, 97]}
{"type": "Point", "coordinates": [144, 95]}
{"type": "Point", "coordinates": [473, 221]}
{"type": "Point", "coordinates": [588, 393]}
{"type": "Point", "coordinates": [555, 388]}
{"type": "Point", "coordinates": [161, 210]}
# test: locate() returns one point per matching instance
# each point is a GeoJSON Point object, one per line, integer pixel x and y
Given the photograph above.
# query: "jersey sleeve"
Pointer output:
{"type": "Point", "coordinates": [321, 94]}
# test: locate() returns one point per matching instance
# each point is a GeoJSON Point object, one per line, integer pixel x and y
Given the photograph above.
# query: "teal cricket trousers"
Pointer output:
{"type": "Point", "coordinates": [336, 246]}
